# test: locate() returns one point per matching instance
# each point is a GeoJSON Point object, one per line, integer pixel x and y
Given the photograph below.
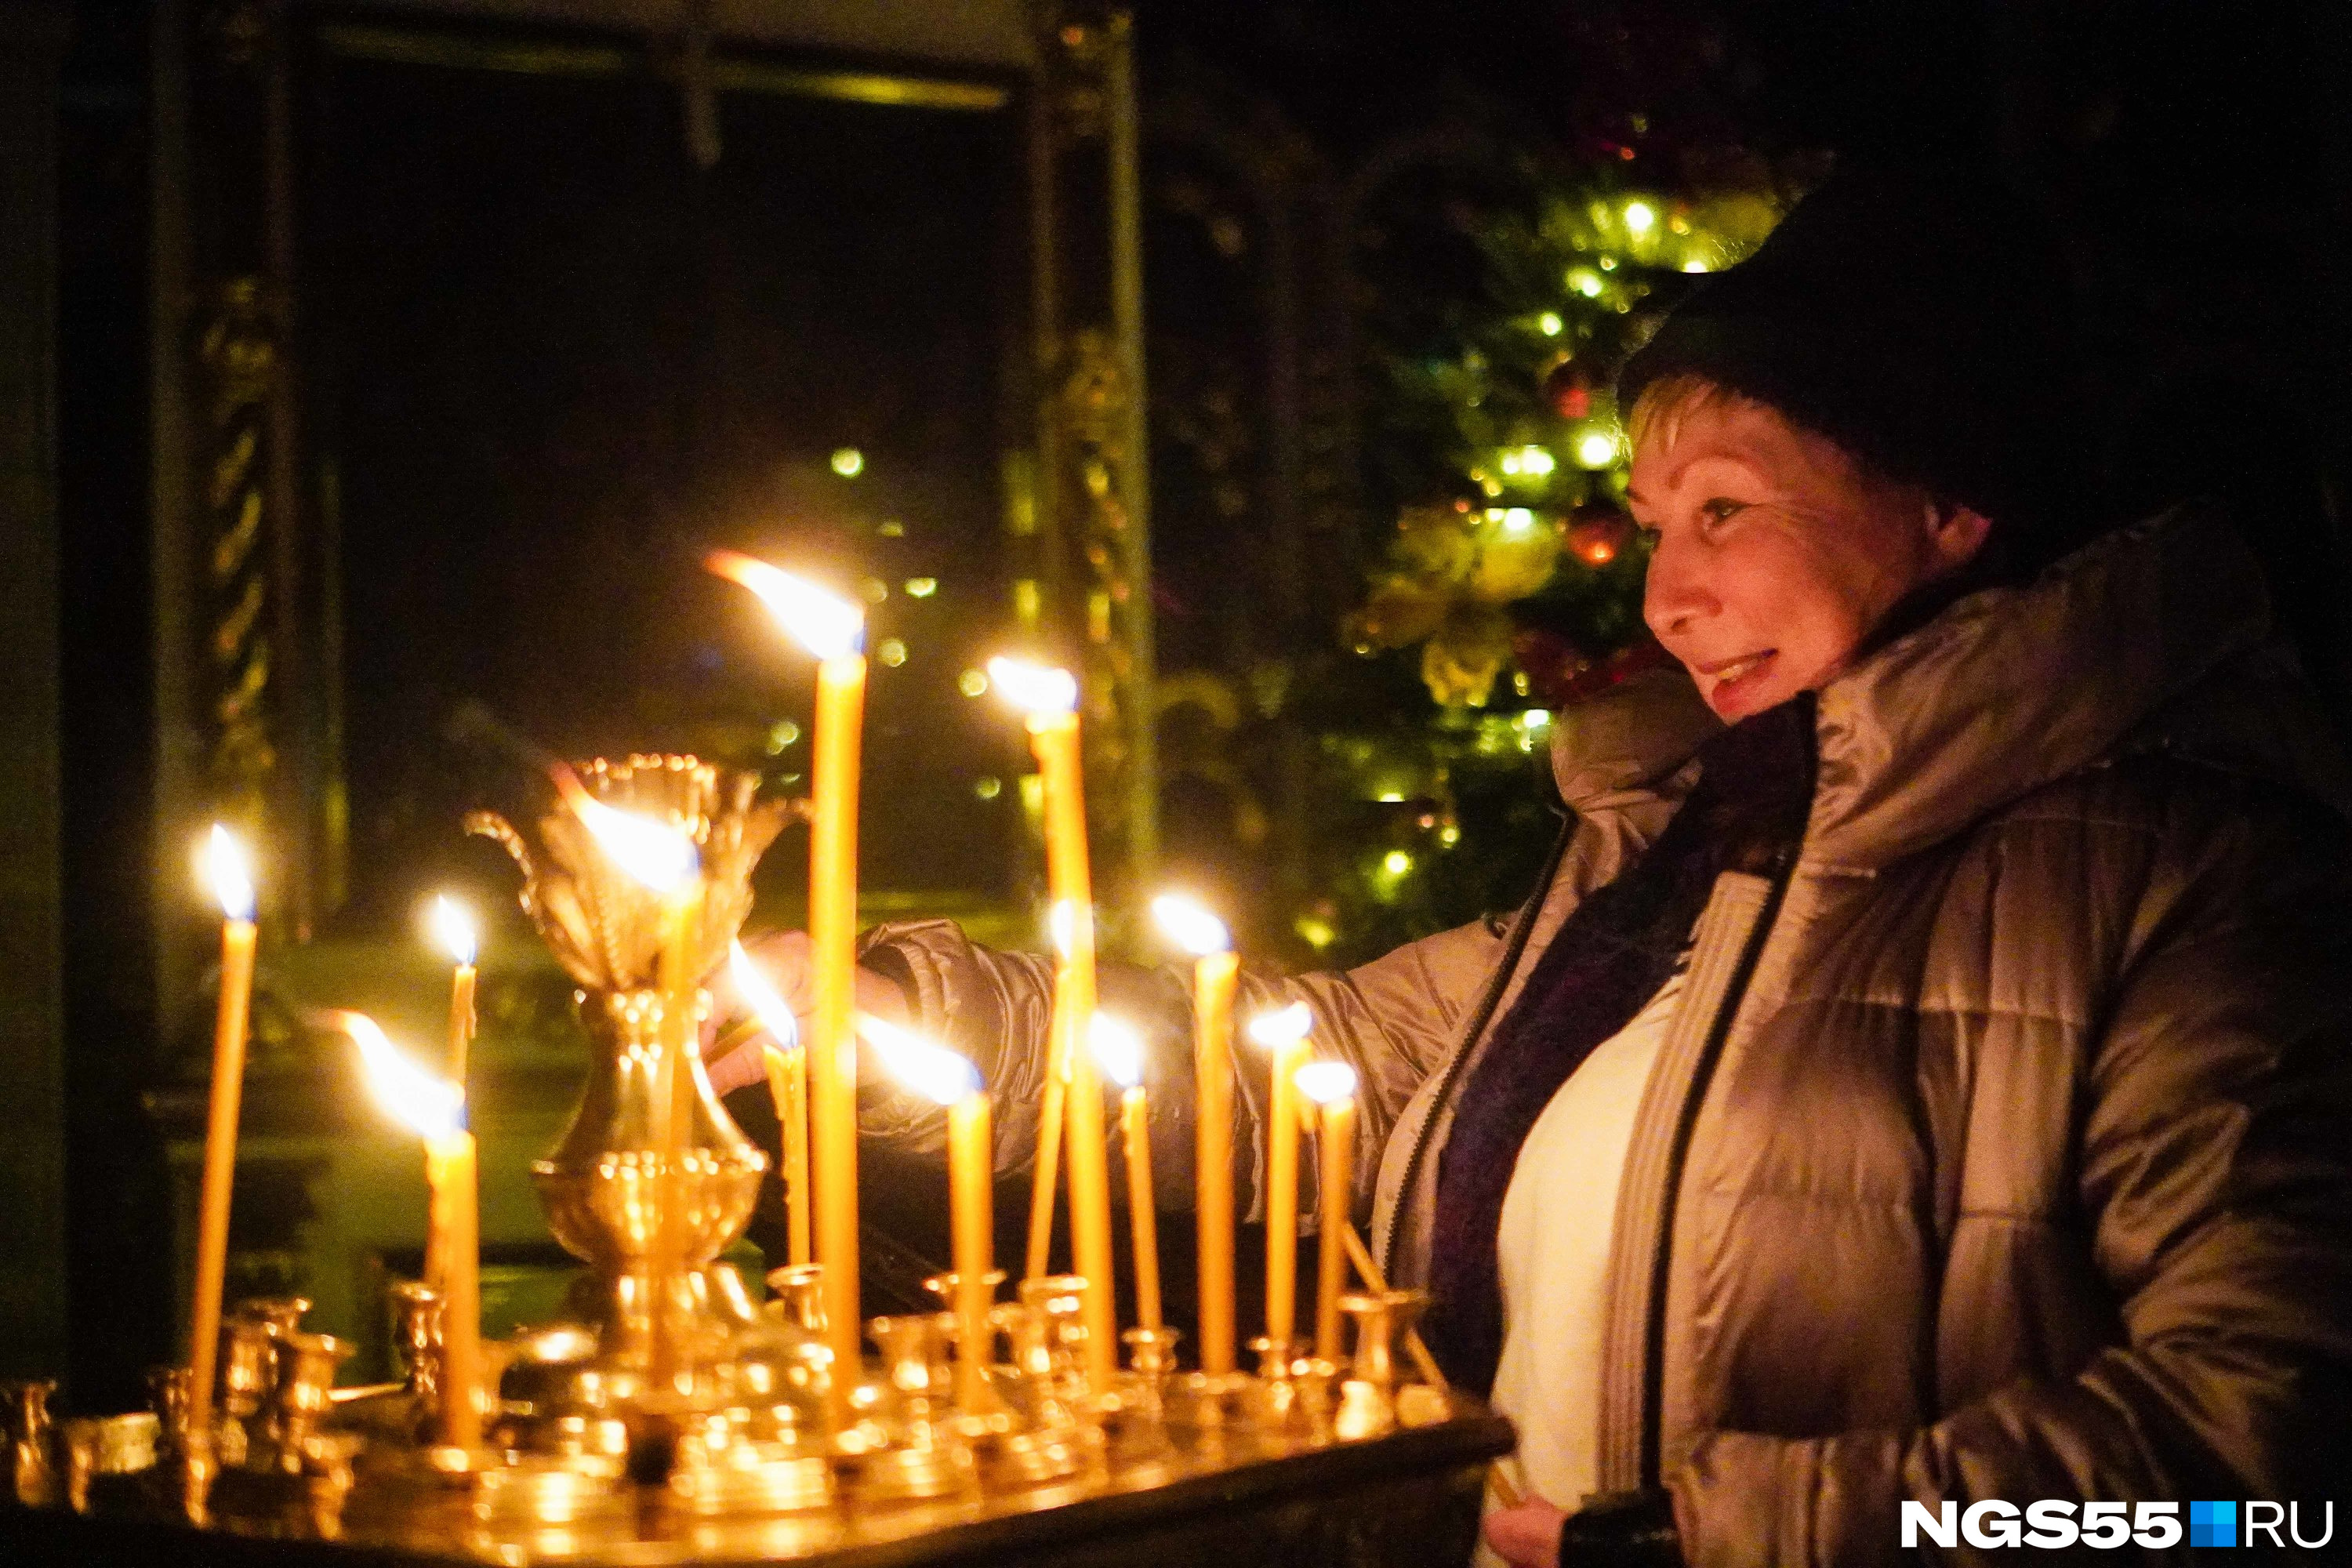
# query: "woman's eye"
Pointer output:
{"type": "Point", "coordinates": [1721, 510]}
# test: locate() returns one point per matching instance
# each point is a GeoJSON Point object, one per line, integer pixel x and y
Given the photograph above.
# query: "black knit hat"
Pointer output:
{"type": "Point", "coordinates": [1920, 319]}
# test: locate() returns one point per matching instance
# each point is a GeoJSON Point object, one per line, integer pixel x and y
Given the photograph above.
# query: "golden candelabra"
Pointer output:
{"type": "Point", "coordinates": [671, 1416]}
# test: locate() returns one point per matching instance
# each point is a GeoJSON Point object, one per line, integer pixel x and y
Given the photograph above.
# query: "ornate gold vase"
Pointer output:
{"type": "Point", "coordinates": [604, 1186]}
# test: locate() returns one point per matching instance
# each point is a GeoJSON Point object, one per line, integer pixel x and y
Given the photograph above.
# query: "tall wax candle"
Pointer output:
{"type": "Point", "coordinates": [1331, 1085]}
{"type": "Point", "coordinates": [674, 1107]}
{"type": "Point", "coordinates": [1051, 1113]}
{"type": "Point", "coordinates": [232, 884]}
{"type": "Point", "coordinates": [1049, 700]}
{"type": "Point", "coordinates": [452, 930]}
{"type": "Point", "coordinates": [834, 629]}
{"type": "Point", "coordinates": [941, 1075]}
{"type": "Point", "coordinates": [1284, 1034]}
{"type": "Point", "coordinates": [1216, 973]}
{"type": "Point", "coordinates": [434, 1108]}
{"type": "Point", "coordinates": [787, 1065]}
{"type": "Point", "coordinates": [451, 1177]}
{"type": "Point", "coordinates": [971, 1215]}
{"type": "Point", "coordinates": [1119, 1053]}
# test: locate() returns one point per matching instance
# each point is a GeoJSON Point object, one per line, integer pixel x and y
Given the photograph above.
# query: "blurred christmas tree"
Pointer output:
{"type": "Point", "coordinates": [1512, 583]}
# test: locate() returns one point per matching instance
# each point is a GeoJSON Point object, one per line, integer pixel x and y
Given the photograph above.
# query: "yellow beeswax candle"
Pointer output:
{"type": "Point", "coordinates": [1049, 700]}
{"type": "Point", "coordinates": [1119, 1053]}
{"type": "Point", "coordinates": [834, 629]}
{"type": "Point", "coordinates": [1284, 1034]}
{"type": "Point", "coordinates": [451, 1177]}
{"type": "Point", "coordinates": [434, 1108]}
{"type": "Point", "coordinates": [1216, 973]}
{"type": "Point", "coordinates": [232, 884]}
{"type": "Point", "coordinates": [1331, 1085]}
{"type": "Point", "coordinates": [787, 1065]}
{"type": "Point", "coordinates": [944, 1076]}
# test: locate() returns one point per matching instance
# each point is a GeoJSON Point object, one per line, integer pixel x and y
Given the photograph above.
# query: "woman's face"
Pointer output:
{"type": "Point", "coordinates": [1773, 553]}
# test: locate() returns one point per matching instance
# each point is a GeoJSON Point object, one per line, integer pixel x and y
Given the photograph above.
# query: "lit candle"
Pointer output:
{"type": "Point", "coordinates": [1052, 1105]}
{"type": "Point", "coordinates": [1282, 1033]}
{"type": "Point", "coordinates": [225, 868]}
{"type": "Point", "coordinates": [1332, 1087]}
{"type": "Point", "coordinates": [453, 928]}
{"type": "Point", "coordinates": [665, 859]}
{"type": "Point", "coordinates": [788, 1088]}
{"type": "Point", "coordinates": [941, 1075]}
{"type": "Point", "coordinates": [1049, 700]}
{"type": "Point", "coordinates": [834, 630]}
{"type": "Point", "coordinates": [1118, 1052]}
{"type": "Point", "coordinates": [434, 1107]}
{"type": "Point", "coordinates": [1215, 972]}
{"type": "Point", "coordinates": [452, 931]}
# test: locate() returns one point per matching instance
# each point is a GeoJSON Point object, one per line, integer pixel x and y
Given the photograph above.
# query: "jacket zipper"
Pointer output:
{"type": "Point", "coordinates": [1513, 951]}
{"type": "Point", "coordinates": [1653, 1331]}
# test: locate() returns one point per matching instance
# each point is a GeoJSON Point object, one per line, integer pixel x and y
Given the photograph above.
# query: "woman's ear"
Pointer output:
{"type": "Point", "coordinates": [1955, 533]}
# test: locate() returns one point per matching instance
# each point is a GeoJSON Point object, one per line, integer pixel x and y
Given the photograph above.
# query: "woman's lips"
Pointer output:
{"type": "Point", "coordinates": [1733, 677]}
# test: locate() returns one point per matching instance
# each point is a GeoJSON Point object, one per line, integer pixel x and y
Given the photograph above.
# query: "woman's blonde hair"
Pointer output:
{"type": "Point", "coordinates": [1666, 402]}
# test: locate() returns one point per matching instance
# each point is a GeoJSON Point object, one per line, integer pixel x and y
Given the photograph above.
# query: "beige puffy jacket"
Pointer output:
{"type": "Point", "coordinates": [2003, 1149]}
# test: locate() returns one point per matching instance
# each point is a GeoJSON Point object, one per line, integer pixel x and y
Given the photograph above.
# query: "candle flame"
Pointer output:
{"type": "Point", "coordinates": [428, 1104]}
{"type": "Point", "coordinates": [655, 853]}
{"type": "Point", "coordinates": [751, 985]}
{"type": "Point", "coordinates": [1326, 1083]}
{"type": "Point", "coordinates": [1062, 926]}
{"type": "Point", "coordinates": [1118, 1049]}
{"type": "Point", "coordinates": [453, 928]}
{"type": "Point", "coordinates": [1190, 926]}
{"type": "Point", "coordinates": [1280, 1028]}
{"type": "Point", "coordinates": [1038, 689]}
{"type": "Point", "coordinates": [826, 625]}
{"type": "Point", "coordinates": [930, 1070]}
{"type": "Point", "coordinates": [223, 866]}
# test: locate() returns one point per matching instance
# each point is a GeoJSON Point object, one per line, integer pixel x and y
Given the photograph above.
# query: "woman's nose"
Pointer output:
{"type": "Point", "coordinates": [1675, 593]}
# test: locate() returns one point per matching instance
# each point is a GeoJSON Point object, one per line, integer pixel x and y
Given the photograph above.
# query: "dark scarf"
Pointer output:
{"type": "Point", "coordinates": [1611, 957]}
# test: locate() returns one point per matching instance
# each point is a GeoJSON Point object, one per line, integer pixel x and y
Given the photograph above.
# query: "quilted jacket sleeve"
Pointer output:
{"type": "Point", "coordinates": [2212, 1157]}
{"type": "Point", "coordinates": [1392, 1019]}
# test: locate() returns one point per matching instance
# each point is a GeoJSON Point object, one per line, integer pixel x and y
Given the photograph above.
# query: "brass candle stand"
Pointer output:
{"type": "Point", "coordinates": [670, 1418]}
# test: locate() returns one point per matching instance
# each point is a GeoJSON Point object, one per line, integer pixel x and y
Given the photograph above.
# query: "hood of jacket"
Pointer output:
{"type": "Point", "coordinates": [2155, 637]}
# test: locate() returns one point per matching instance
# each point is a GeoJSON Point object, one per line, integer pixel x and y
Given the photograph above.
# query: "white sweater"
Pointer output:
{"type": "Point", "coordinates": [1553, 1250]}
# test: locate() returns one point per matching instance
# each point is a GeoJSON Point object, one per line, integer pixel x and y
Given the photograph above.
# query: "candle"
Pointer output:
{"type": "Point", "coordinates": [940, 1074]}
{"type": "Point", "coordinates": [232, 883]}
{"type": "Point", "coordinates": [434, 1107]}
{"type": "Point", "coordinates": [1282, 1033]}
{"type": "Point", "coordinates": [834, 630]}
{"type": "Point", "coordinates": [665, 860]}
{"type": "Point", "coordinates": [1332, 1087]}
{"type": "Point", "coordinates": [787, 1065]}
{"type": "Point", "coordinates": [1052, 1105]}
{"type": "Point", "coordinates": [452, 931]}
{"type": "Point", "coordinates": [1215, 972]}
{"type": "Point", "coordinates": [453, 928]}
{"type": "Point", "coordinates": [1049, 700]}
{"type": "Point", "coordinates": [1118, 1052]}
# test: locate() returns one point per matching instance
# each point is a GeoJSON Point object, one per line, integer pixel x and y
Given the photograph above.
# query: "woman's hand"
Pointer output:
{"type": "Point", "coordinates": [1527, 1535]}
{"type": "Point", "coordinates": [783, 958]}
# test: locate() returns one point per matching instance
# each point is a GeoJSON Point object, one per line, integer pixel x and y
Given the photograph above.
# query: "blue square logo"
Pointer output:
{"type": "Point", "coordinates": [2212, 1524]}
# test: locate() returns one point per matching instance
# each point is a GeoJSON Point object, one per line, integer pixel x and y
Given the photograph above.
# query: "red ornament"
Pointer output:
{"type": "Point", "coordinates": [1598, 533]}
{"type": "Point", "coordinates": [1567, 389]}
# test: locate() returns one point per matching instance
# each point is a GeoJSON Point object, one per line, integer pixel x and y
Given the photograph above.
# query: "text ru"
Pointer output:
{"type": "Point", "coordinates": [2052, 1524]}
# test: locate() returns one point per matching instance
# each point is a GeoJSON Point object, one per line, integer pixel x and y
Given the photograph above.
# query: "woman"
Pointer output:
{"type": "Point", "coordinates": [1924, 1072]}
